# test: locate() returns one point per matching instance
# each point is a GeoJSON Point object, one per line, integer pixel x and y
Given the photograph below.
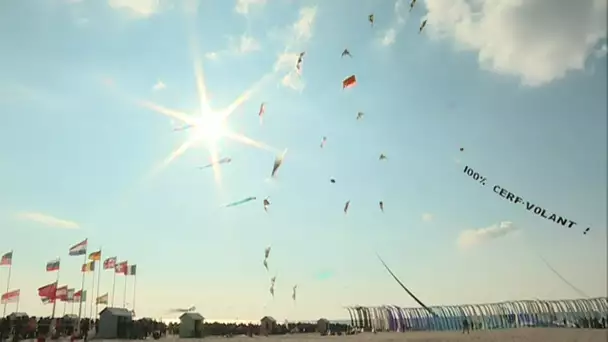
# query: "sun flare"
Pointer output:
{"type": "Point", "coordinates": [210, 128]}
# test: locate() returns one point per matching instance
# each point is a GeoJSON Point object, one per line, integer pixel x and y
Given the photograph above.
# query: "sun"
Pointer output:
{"type": "Point", "coordinates": [210, 128]}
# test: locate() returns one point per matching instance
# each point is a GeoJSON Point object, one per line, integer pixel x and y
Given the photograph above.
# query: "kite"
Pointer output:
{"type": "Point", "coordinates": [412, 4]}
{"type": "Point", "coordinates": [346, 53]}
{"type": "Point", "coordinates": [183, 128]}
{"type": "Point", "coordinates": [461, 149]}
{"type": "Point", "coordinates": [266, 204]}
{"type": "Point", "coordinates": [405, 288]}
{"type": "Point", "coordinates": [323, 141]}
{"type": "Point", "coordinates": [586, 230]}
{"type": "Point", "coordinates": [272, 290]}
{"type": "Point", "coordinates": [267, 252]}
{"type": "Point", "coordinates": [293, 294]}
{"type": "Point", "coordinates": [190, 309]}
{"type": "Point", "coordinates": [333, 181]}
{"type": "Point", "coordinates": [360, 115]}
{"type": "Point", "coordinates": [262, 111]}
{"type": "Point", "coordinates": [422, 26]}
{"type": "Point", "coordinates": [382, 156]}
{"type": "Point", "coordinates": [370, 18]}
{"type": "Point", "coordinates": [266, 264]}
{"type": "Point", "coordinates": [273, 280]}
{"type": "Point", "coordinates": [346, 206]}
{"type": "Point", "coordinates": [241, 202]}
{"type": "Point", "coordinates": [278, 161]}
{"type": "Point", "coordinates": [349, 82]}
{"type": "Point", "coordinates": [299, 62]}
{"type": "Point", "coordinates": [219, 161]}
{"type": "Point", "coordinates": [381, 206]}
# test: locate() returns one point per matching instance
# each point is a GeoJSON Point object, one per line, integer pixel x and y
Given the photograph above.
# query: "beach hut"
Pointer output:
{"type": "Point", "coordinates": [191, 325]}
{"type": "Point", "coordinates": [114, 323]}
{"type": "Point", "coordinates": [267, 325]}
{"type": "Point", "coordinates": [323, 326]}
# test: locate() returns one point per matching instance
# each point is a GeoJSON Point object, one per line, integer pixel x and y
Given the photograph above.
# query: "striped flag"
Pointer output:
{"type": "Point", "coordinates": [10, 297]}
{"type": "Point", "coordinates": [7, 259]}
{"type": "Point", "coordinates": [79, 248]}
{"type": "Point", "coordinates": [53, 265]}
{"type": "Point", "coordinates": [103, 299]}
{"type": "Point", "coordinates": [95, 256]}
{"type": "Point", "coordinates": [132, 270]}
{"type": "Point", "coordinates": [88, 267]}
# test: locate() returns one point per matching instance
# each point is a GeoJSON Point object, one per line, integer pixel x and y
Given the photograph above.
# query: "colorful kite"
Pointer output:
{"type": "Point", "coordinates": [278, 161]}
{"type": "Point", "coordinates": [219, 161]}
{"type": "Point", "coordinates": [349, 82]}
{"type": "Point", "coordinates": [346, 206]}
{"type": "Point", "coordinates": [266, 204]}
{"type": "Point", "coordinates": [299, 62]}
{"type": "Point", "coordinates": [346, 53]}
{"type": "Point", "coordinates": [422, 26]}
{"type": "Point", "coordinates": [248, 199]}
{"type": "Point", "coordinates": [262, 111]}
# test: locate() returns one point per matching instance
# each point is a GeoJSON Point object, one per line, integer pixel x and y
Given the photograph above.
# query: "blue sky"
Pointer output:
{"type": "Point", "coordinates": [79, 155]}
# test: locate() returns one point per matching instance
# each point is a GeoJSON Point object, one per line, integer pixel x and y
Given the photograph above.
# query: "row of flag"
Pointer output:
{"type": "Point", "coordinates": [52, 292]}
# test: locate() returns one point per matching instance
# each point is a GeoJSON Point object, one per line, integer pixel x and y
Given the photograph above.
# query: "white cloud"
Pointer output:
{"type": "Point", "coordinates": [212, 55]}
{"type": "Point", "coordinates": [471, 237]}
{"type": "Point", "coordinates": [242, 6]}
{"type": "Point", "coordinates": [537, 41]}
{"type": "Point", "coordinates": [159, 86]}
{"type": "Point", "coordinates": [246, 44]}
{"type": "Point", "coordinates": [296, 37]}
{"type": "Point", "coordinates": [48, 220]}
{"type": "Point", "coordinates": [140, 8]}
{"type": "Point", "coordinates": [400, 12]}
{"type": "Point", "coordinates": [426, 217]}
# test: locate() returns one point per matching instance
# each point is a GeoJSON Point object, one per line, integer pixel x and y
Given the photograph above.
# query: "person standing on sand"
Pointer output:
{"type": "Point", "coordinates": [465, 326]}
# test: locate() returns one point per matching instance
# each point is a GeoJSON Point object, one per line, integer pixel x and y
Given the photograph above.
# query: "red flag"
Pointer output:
{"type": "Point", "coordinates": [109, 263]}
{"type": "Point", "coordinates": [7, 259]}
{"type": "Point", "coordinates": [10, 297]}
{"type": "Point", "coordinates": [62, 293]}
{"type": "Point", "coordinates": [48, 291]}
{"type": "Point", "coordinates": [349, 82]}
{"type": "Point", "coordinates": [123, 267]}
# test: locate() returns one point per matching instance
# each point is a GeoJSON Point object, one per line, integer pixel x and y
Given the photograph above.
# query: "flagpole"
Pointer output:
{"type": "Point", "coordinates": [82, 293]}
{"type": "Point", "coordinates": [56, 285]}
{"type": "Point", "coordinates": [113, 286]}
{"type": "Point", "coordinates": [92, 292]}
{"type": "Point", "coordinates": [8, 282]}
{"type": "Point", "coordinates": [98, 281]}
{"type": "Point", "coordinates": [124, 295]}
{"type": "Point", "coordinates": [134, 291]}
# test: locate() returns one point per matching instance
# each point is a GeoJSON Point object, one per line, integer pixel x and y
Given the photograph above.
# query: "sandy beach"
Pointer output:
{"type": "Point", "coordinates": [511, 335]}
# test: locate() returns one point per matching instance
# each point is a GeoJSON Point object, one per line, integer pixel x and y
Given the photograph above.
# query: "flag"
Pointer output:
{"type": "Point", "coordinates": [10, 297]}
{"type": "Point", "coordinates": [62, 293]}
{"type": "Point", "coordinates": [349, 82]}
{"type": "Point", "coordinates": [47, 300]}
{"type": "Point", "coordinates": [52, 265]}
{"type": "Point", "coordinates": [109, 263]}
{"type": "Point", "coordinates": [7, 259]}
{"type": "Point", "coordinates": [95, 256]}
{"type": "Point", "coordinates": [103, 299]}
{"type": "Point", "coordinates": [122, 267]}
{"type": "Point", "coordinates": [88, 267]}
{"type": "Point", "coordinates": [70, 296]}
{"type": "Point", "coordinates": [80, 295]}
{"type": "Point", "coordinates": [132, 270]}
{"type": "Point", "coordinates": [48, 291]}
{"type": "Point", "coordinates": [79, 248]}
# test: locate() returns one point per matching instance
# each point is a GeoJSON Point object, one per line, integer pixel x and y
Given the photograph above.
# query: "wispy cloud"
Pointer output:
{"type": "Point", "coordinates": [390, 35]}
{"type": "Point", "coordinates": [244, 44]}
{"type": "Point", "coordinates": [296, 37]}
{"type": "Point", "coordinates": [471, 237]}
{"type": "Point", "coordinates": [139, 8]}
{"type": "Point", "coordinates": [242, 6]}
{"type": "Point", "coordinates": [426, 217]}
{"type": "Point", "coordinates": [159, 86]}
{"type": "Point", "coordinates": [47, 220]}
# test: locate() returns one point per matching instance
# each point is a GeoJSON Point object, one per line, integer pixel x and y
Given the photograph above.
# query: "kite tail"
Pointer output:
{"type": "Point", "coordinates": [405, 288]}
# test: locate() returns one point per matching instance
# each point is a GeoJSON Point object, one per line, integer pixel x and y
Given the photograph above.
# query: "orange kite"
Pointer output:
{"type": "Point", "coordinates": [349, 82]}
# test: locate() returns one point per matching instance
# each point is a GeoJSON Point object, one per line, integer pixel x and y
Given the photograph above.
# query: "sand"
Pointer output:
{"type": "Point", "coordinates": [511, 335]}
